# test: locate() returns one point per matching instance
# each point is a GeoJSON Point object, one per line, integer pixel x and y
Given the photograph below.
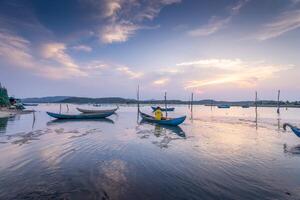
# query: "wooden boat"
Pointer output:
{"type": "Point", "coordinates": [169, 121]}
{"type": "Point", "coordinates": [30, 104]}
{"type": "Point", "coordinates": [86, 111]}
{"type": "Point", "coordinates": [245, 106]}
{"type": "Point", "coordinates": [80, 116]}
{"type": "Point", "coordinates": [293, 128]}
{"type": "Point", "coordinates": [61, 121]}
{"type": "Point", "coordinates": [162, 109]}
{"type": "Point", "coordinates": [224, 106]}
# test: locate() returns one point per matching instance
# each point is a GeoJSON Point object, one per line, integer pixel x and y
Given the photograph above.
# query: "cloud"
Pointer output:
{"type": "Point", "coordinates": [82, 48]}
{"type": "Point", "coordinates": [130, 73]}
{"type": "Point", "coordinates": [17, 51]}
{"type": "Point", "coordinates": [215, 23]}
{"type": "Point", "coordinates": [119, 32]}
{"type": "Point", "coordinates": [238, 72]}
{"type": "Point", "coordinates": [287, 21]}
{"type": "Point", "coordinates": [162, 81]}
{"type": "Point", "coordinates": [56, 51]}
{"type": "Point", "coordinates": [215, 63]}
{"type": "Point", "coordinates": [123, 18]}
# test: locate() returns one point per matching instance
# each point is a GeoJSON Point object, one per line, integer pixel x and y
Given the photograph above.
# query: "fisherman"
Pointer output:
{"type": "Point", "coordinates": [158, 113]}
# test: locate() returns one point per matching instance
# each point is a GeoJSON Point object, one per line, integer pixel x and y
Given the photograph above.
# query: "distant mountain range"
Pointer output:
{"type": "Point", "coordinates": [119, 100]}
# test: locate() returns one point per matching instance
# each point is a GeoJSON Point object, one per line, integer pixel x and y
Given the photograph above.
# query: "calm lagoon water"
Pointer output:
{"type": "Point", "coordinates": [219, 154]}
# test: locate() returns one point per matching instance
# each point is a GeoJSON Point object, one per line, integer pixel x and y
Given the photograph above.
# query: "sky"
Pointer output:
{"type": "Point", "coordinates": [219, 49]}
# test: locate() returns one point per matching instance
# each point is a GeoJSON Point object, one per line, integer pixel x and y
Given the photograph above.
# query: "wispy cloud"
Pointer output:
{"type": "Point", "coordinates": [82, 48]}
{"type": "Point", "coordinates": [216, 24]}
{"type": "Point", "coordinates": [119, 32]}
{"type": "Point", "coordinates": [127, 71]}
{"type": "Point", "coordinates": [123, 18]}
{"type": "Point", "coordinates": [17, 51]}
{"type": "Point", "coordinates": [238, 72]}
{"type": "Point", "coordinates": [162, 81]}
{"type": "Point", "coordinates": [287, 21]}
{"type": "Point", "coordinates": [231, 64]}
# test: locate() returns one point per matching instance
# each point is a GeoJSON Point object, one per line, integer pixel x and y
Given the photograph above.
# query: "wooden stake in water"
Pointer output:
{"type": "Point", "coordinates": [59, 108]}
{"type": "Point", "coordinates": [256, 109]}
{"type": "Point", "coordinates": [278, 103]}
{"type": "Point", "coordinates": [192, 100]}
{"type": "Point", "coordinates": [138, 98]}
{"type": "Point", "coordinates": [166, 104]}
{"type": "Point", "coordinates": [67, 107]}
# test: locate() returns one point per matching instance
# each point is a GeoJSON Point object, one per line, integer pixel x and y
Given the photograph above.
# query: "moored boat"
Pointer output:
{"type": "Point", "coordinates": [245, 106]}
{"type": "Point", "coordinates": [169, 121]}
{"type": "Point", "coordinates": [30, 104]}
{"type": "Point", "coordinates": [293, 128]}
{"type": "Point", "coordinates": [80, 116]}
{"type": "Point", "coordinates": [162, 109]}
{"type": "Point", "coordinates": [97, 111]}
{"type": "Point", "coordinates": [224, 106]}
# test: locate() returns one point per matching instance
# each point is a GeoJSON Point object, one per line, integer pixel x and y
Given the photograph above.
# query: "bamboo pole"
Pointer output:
{"type": "Point", "coordinates": [192, 101]}
{"type": "Point", "coordinates": [166, 104]}
{"type": "Point", "coordinates": [256, 109]}
{"type": "Point", "coordinates": [59, 108]}
{"type": "Point", "coordinates": [278, 103]}
{"type": "Point", "coordinates": [138, 98]}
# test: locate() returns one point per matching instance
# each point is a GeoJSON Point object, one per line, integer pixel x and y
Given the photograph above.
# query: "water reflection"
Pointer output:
{"type": "Point", "coordinates": [63, 121]}
{"type": "Point", "coordinates": [161, 129]}
{"type": "Point", "coordinates": [3, 124]}
{"type": "Point", "coordinates": [294, 150]}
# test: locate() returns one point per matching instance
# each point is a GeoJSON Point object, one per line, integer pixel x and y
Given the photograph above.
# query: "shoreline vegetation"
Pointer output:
{"type": "Point", "coordinates": [119, 100]}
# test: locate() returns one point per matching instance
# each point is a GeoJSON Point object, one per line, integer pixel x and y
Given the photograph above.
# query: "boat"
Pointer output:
{"type": "Point", "coordinates": [80, 116]}
{"type": "Point", "coordinates": [162, 109]}
{"type": "Point", "coordinates": [61, 121]}
{"type": "Point", "coordinates": [30, 104]}
{"type": "Point", "coordinates": [86, 111]}
{"type": "Point", "coordinates": [223, 106]}
{"type": "Point", "coordinates": [293, 128]}
{"type": "Point", "coordinates": [245, 106]}
{"type": "Point", "coordinates": [169, 121]}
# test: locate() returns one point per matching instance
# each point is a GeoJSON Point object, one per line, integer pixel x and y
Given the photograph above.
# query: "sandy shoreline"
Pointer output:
{"type": "Point", "coordinates": [5, 112]}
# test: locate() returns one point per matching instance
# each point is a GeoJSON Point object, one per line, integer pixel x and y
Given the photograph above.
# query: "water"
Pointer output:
{"type": "Point", "coordinates": [219, 154]}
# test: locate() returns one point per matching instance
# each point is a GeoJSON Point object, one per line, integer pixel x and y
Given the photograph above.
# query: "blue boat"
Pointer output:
{"type": "Point", "coordinates": [162, 109]}
{"type": "Point", "coordinates": [245, 106]}
{"type": "Point", "coordinates": [80, 116]}
{"type": "Point", "coordinates": [223, 106]}
{"type": "Point", "coordinates": [169, 121]}
{"type": "Point", "coordinates": [293, 128]}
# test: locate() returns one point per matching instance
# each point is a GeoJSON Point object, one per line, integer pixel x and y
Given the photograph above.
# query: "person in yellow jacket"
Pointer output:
{"type": "Point", "coordinates": [158, 114]}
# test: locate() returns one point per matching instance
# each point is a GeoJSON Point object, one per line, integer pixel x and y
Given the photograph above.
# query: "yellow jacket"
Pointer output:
{"type": "Point", "coordinates": [158, 114]}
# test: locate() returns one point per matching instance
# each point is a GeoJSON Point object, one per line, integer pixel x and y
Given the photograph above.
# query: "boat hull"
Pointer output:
{"type": "Point", "coordinates": [96, 111]}
{"type": "Point", "coordinates": [223, 106]}
{"type": "Point", "coordinates": [163, 109]}
{"type": "Point", "coordinates": [80, 116]}
{"type": "Point", "coordinates": [169, 122]}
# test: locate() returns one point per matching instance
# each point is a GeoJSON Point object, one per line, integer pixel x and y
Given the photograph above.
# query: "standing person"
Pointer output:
{"type": "Point", "coordinates": [158, 113]}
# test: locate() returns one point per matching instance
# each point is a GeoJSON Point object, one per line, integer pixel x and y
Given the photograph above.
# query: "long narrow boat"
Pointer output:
{"type": "Point", "coordinates": [30, 104]}
{"type": "Point", "coordinates": [162, 109]}
{"type": "Point", "coordinates": [245, 106]}
{"type": "Point", "coordinates": [293, 128]}
{"type": "Point", "coordinates": [224, 106]}
{"type": "Point", "coordinates": [86, 111]}
{"type": "Point", "coordinates": [169, 121]}
{"type": "Point", "coordinates": [80, 116]}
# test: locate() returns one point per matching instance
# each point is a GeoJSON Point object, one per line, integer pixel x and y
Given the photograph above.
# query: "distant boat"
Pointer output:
{"type": "Point", "coordinates": [224, 106]}
{"type": "Point", "coordinates": [169, 121]}
{"type": "Point", "coordinates": [80, 116]}
{"type": "Point", "coordinates": [30, 104]}
{"type": "Point", "coordinates": [293, 128]}
{"type": "Point", "coordinates": [162, 109]}
{"type": "Point", "coordinates": [86, 111]}
{"type": "Point", "coordinates": [97, 105]}
{"type": "Point", "coordinates": [245, 106]}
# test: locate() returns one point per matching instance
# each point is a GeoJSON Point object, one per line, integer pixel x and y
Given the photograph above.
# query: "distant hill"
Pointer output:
{"type": "Point", "coordinates": [54, 99]}
{"type": "Point", "coordinates": [119, 100]}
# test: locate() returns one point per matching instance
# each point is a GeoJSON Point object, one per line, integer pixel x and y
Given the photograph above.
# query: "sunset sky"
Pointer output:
{"type": "Point", "coordinates": [220, 49]}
